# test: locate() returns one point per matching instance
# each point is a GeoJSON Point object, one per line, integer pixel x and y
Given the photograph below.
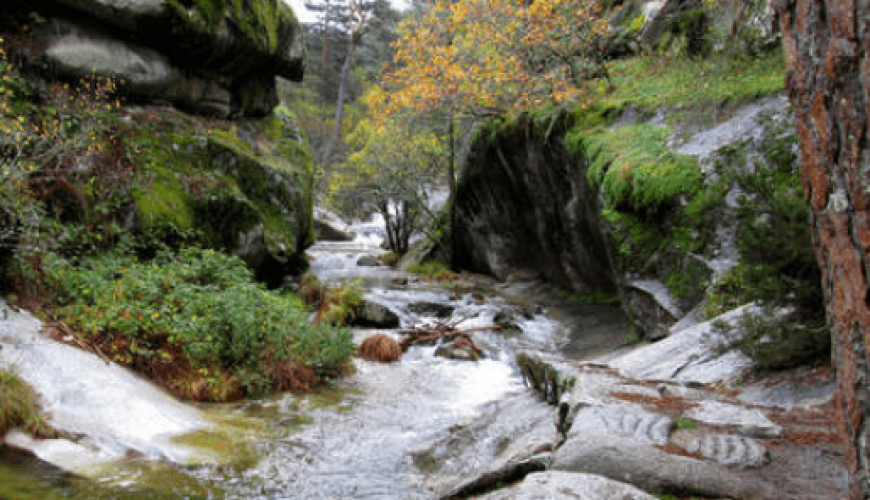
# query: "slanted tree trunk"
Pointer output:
{"type": "Point", "coordinates": [335, 138]}
{"type": "Point", "coordinates": [828, 81]}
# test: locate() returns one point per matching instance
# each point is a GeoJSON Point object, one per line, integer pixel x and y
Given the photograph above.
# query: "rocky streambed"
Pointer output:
{"type": "Point", "coordinates": [676, 417]}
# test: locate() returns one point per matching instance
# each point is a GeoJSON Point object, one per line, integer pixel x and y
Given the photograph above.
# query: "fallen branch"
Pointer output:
{"type": "Point", "coordinates": [431, 334]}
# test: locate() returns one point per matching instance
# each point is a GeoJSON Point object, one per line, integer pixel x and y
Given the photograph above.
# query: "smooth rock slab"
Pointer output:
{"type": "Point", "coordinates": [726, 449]}
{"type": "Point", "coordinates": [692, 354]}
{"type": "Point", "coordinates": [113, 410]}
{"type": "Point", "coordinates": [653, 469]}
{"type": "Point", "coordinates": [637, 425]}
{"type": "Point", "coordinates": [748, 421]}
{"type": "Point", "coordinates": [555, 485]}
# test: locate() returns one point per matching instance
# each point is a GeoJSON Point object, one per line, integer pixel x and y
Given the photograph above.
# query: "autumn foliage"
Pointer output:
{"type": "Point", "coordinates": [483, 57]}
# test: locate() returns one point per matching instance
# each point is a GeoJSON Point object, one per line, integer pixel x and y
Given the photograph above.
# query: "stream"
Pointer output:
{"type": "Point", "coordinates": [364, 437]}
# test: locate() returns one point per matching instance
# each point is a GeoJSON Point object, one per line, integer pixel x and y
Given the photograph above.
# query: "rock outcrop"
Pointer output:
{"type": "Point", "coordinates": [524, 203]}
{"type": "Point", "coordinates": [212, 57]}
{"type": "Point", "coordinates": [652, 431]}
{"type": "Point", "coordinates": [245, 188]}
{"type": "Point", "coordinates": [528, 201]}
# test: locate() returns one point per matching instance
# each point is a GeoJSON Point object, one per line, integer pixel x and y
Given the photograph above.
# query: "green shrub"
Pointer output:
{"type": "Point", "coordinates": [195, 320]}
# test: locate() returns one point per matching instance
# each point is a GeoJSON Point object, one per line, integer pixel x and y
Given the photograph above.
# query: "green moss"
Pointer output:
{"type": "Point", "coordinates": [23, 478]}
{"type": "Point", "coordinates": [259, 20]}
{"type": "Point", "coordinates": [543, 378]}
{"type": "Point", "coordinates": [163, 201]}
{"type": "Point", "coordinates": [634, 167]}
{"type": "Point", "coordinates": [18, 407]}
{"type": "Point", "coordinates": [225, 178]}
{"type": "Point", "coordinates": [648, 83]}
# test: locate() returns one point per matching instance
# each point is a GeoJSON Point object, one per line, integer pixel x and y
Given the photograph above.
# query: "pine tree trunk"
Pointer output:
{"type": "Point", "coordinates": [828, 81]}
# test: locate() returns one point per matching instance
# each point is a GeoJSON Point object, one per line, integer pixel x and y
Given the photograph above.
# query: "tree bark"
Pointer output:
{"type": "Point", "coordinates": [828, 81]}
{"type": "Point", "coordinates": [339, 103]}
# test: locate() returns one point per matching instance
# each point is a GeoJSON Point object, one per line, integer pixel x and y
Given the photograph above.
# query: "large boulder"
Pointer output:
{"type": "Point", "coordinates": [245, 188]}
{"type": "Point", "coordinates": [210, 56]}
{"type": "Point", "coordinates": [523, 202]}
{"type": "Point", "coordinates": [566, 204]}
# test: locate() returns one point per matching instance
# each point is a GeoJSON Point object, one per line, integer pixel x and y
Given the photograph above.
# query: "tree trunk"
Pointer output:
{"type": "Point", "coordinates": [828, 81]}
{"type": "Point", "coordinates": [451, 183]}
{"type": "Point", "coordinates": [339, 105]}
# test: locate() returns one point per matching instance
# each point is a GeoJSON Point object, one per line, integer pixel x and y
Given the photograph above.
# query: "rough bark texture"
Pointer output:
{"type": "Point", "coordinates": [828, 79]}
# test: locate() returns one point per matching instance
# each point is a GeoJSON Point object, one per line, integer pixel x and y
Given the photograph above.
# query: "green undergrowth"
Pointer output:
{"type": "Point", "coordinates": [333, 304]}
{"type": "Point", "coordinates": [432, 270]}
{"type": "Point", "coordinates": [193, 321]}
{"type": "Point", "coordinates": [658, 206]}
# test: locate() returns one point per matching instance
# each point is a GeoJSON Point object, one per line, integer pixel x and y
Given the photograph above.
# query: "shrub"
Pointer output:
{"type": "Point", "coordinates": [381, 348]}
{"type": "Point", "coordinates": [195, 321]}
{"type": "Point", "coordinates": [334, 305]}
{"type": "Point", "coordinates": [432, 270]}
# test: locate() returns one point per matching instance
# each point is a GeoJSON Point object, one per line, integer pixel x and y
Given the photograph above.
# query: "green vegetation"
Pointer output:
{"type": "Point", "coordinates": [432, 270]}
{"type": "Point", "coordinates": [195, 321]}
{"type": "Point", "coordinates": [19, 407]}
{"type": "Point", "coordinates": [686, 424]}
{"type": "Point", "coordinates": [334, 305]}
{"type": "Point", "coordinates": [634, 168]}
{"type": "Point", "coordinates": [543, 378]}
{"type": "Point", "coordinates": [777, 265]}
{"type": "Point", "coordinates": [259, 20]}
{"type": "Point", "coordinates": [649, 82]}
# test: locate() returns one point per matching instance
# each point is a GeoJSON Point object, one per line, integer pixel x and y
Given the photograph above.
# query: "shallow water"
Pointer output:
{"type": "Point", "coordinates": [355, 440]}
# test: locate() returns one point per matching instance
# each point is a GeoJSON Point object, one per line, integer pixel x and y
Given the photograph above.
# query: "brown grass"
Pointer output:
{"type": "Point", "coordinates": [381, 348]}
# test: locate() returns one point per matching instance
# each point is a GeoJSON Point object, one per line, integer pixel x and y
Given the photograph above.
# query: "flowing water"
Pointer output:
{"type": "Point", "coordinates": [357, 439]}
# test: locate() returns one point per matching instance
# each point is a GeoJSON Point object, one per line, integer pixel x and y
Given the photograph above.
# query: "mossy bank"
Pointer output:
{"type": "Point", "coordinates": [649, 193]}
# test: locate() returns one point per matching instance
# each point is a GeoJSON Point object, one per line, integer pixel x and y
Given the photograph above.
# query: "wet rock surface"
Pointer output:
{"type": "Point", "coordinates": [114, 413]}
{"type": "Point", "coordinates": [557, 485]}
{"type": "Point", "coordinates": [662, 434]}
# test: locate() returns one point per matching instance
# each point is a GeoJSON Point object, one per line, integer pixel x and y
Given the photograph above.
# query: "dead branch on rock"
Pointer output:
{"type": "Point", "coordinates": [445, 332]}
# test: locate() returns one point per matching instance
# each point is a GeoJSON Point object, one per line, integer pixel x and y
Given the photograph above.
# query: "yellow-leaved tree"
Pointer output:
{"type": "Point", "coordinates": [459, 61]}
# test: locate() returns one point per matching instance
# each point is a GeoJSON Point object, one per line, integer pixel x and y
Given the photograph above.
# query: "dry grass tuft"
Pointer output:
{"type": "Point", "coordinates": [381, 348]}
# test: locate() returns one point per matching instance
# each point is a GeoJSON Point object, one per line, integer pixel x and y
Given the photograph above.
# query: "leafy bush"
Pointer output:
{"type": "Point", "coordinates": [777, 265]}
{"type": "Point", "coordinates": [195, 321]}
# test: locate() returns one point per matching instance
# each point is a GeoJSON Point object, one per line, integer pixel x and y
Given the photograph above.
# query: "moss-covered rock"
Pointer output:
{"type": "Point", "coordinates": [215, 57]}
{"type": "Point", "coordinates": [244, 187]}
{"type": "Point", "coordinates": [666, 215]}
